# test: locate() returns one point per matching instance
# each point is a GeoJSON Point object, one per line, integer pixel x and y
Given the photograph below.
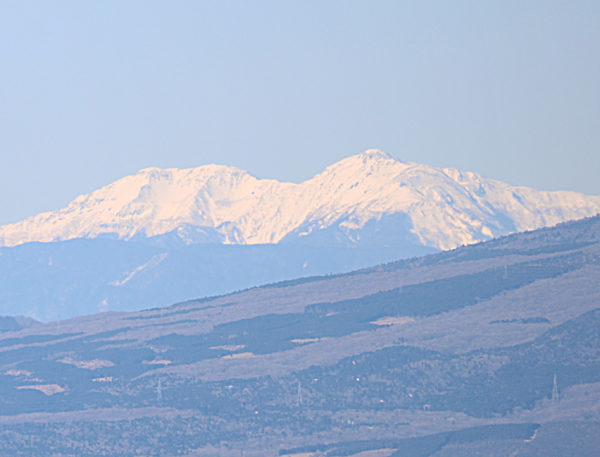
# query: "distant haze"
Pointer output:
{"type": "Point", "coordinates": [91, 92]}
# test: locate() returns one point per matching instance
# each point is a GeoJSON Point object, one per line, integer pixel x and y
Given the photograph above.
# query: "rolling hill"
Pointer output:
{"type": "Point", "coordinates": [491, 349]}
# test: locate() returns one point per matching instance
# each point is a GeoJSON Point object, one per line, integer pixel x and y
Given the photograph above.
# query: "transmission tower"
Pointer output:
{"type": "Point", "coordinates": [555, 390]}
{"type": "Point", "coordinates": [299, 397]}
{"type": "Point", "coordinates": [159, 391]}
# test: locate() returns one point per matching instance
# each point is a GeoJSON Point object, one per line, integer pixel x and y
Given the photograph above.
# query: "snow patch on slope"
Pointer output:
{"type": "Point", "coordinates": [155, 260]}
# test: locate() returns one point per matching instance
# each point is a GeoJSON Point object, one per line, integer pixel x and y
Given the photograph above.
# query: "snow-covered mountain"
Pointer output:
{"type": "Point", "coordinates": [162, 236]}
{"type": "Point", "coordinates": [368, 197]}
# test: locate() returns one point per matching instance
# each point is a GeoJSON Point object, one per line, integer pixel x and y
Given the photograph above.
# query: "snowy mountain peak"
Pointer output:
{"type": "Point", "coordinates": [372, 164]}
{"type": "Point", "coordinates": [368, 158]}
{"type": "Point", "coordinates": [369, 197]}
{"type": "Point", "coordinates": [374, 154]}
{"type": "Point", "coordinates": [202, 172]}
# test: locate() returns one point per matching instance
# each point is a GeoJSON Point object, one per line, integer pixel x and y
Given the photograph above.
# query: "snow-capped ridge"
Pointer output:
{"type": "Point", "coordinates": [369, 159]}
{"type": "Point", "coordinates": [350, 201]}
{"type": "Point", "coordinates": [376, 154]}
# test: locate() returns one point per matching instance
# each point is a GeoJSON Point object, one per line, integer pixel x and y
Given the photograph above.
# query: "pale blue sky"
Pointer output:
{"type": "Point", "coordinates": [93, 91]}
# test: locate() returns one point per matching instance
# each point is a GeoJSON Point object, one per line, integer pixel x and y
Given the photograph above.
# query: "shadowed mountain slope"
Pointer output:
{"type": "Point", "coordinates": [51, 281]}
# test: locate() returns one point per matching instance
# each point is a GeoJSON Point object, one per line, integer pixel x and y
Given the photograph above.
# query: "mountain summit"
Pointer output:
{"type": "Point", "coordinates": [366, 198]}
